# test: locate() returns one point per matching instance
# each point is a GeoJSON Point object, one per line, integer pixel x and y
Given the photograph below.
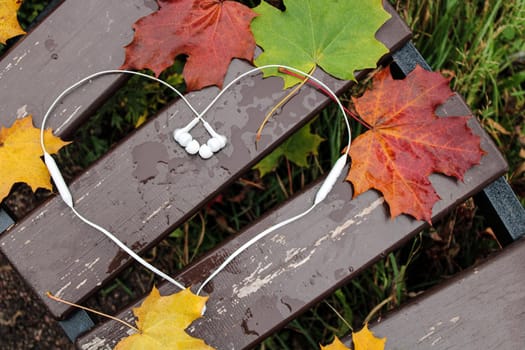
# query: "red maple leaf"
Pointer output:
{"type": "Point", "coordinates": [407, 141]}
{"type": "Point", "coordinates": [210, 32]}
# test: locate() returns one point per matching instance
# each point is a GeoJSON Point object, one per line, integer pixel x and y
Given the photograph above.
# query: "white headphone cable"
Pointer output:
{"type": "Point", "coordinates": [67, 197]}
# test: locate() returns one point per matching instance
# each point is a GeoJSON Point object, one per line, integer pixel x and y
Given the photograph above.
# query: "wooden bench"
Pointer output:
{"type": "Point", "coordinates": [268, 285]}
{"type": "Point", "coordinates": [482, 308]}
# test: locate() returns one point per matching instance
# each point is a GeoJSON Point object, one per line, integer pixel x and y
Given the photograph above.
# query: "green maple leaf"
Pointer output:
{"type": "Point", "coordinates": [296, 149]}
{"type": "Point", "coordinates": [336, 35]}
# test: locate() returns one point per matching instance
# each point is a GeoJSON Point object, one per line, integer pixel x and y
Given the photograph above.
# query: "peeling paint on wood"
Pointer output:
{"type": "Point", "coordinates": [91, 264]}
{"type": "Point", "coordinates": [96, 344]}
{"type": "Point", "coordinates": [81, 284]}
{"type": "Point", "coordinates": [339, 230]}
{"type": "Point", "coordinates": [61, 290]}
{"type": "Point", "coordinates": [68, 119]}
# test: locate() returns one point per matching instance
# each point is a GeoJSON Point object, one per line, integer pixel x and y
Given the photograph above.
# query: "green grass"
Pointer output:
{"type": "Point", "coordinates": [480, 43]}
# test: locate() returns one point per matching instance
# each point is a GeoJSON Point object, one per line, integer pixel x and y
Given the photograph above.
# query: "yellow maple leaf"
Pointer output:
{"type": "Point", "coordinates": [9, 26]}
{"type": "Point", "coordinates": [335, 345]}
{"type": "Point", "coordinates": [20, 154]}
{"type": "Point", "coordinates": [366, 340]}
{"type": "Point", "coordinates": [363, 340]}
{"type": "Point", "coordinates": [162, 321]}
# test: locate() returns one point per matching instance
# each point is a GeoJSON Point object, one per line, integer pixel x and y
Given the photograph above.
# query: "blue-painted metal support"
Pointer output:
{"type": "Point", "coordinates": [5, 220]}
{"type": "Point", "coordinates": [76, 324]}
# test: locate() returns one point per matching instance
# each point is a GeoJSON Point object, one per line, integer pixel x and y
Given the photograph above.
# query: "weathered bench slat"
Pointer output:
{"type": "Point", "coordinates": [148, 185]}
{"type": "Point", "coordinates": [463, 313]}
{"type": "Point", "coordinates": [289, 271]}
{"type": "Point", "coordinates": [78, 38]}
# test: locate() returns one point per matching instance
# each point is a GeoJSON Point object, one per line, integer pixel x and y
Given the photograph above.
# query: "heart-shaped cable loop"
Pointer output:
{"type": "Point", "coordinates": [192, 146]}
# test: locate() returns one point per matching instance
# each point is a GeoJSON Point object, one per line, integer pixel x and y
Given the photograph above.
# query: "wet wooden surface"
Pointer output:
{"type": "Point", "coordinates": [483, 308]}
{"type": "Point", "coordinates": [79, 38]}
{"type": "Point", "coordinates": [286, 273]}
{"type": "Point", "coordinates": [147, 185]}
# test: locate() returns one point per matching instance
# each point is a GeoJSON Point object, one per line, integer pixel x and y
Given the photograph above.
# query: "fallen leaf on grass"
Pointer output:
{"type": "Point", "coordinates": [162, 321]}
{"type": "Point", "coordinates": [142, 119]}
{"type": "Point", "coordinates": [497, 126]}
{"type": "Point", "coordinates": [338, 36]}
{"type": "Point", "coordinates": [20, 156]}
{"type": "Point", "coordinates": [9, 26]}
{"type": "Point", "coordinates": [408, 141]}
{"type": "Point", "coordinates": [209, 32]}
{"type": "Point", "coordinates": [519, 170]}
{"type": "Point", "coordinates": [296, 149]}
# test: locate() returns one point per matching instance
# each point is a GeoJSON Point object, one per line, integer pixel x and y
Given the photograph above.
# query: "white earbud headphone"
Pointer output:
{"type": "Point", "coordinates": [213, 145]}
{"type": "Point", "coordinates": [183, 137]}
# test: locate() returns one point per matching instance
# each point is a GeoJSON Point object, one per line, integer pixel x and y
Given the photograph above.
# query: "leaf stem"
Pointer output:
{"type": "Point", "coordinates": [340, 316]}
{"type": "Point", "coordinates": [60, 300]}
{"type": "Point", "coordinates": [352, 114]}
{"type": "Point", "coordinates": [377, 308]}
{"type": "Point", "coordinates": [280, 104]}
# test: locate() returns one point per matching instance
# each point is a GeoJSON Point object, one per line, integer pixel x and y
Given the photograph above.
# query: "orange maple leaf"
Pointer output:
{"type": "Point", "coordinates": [20, 156]}
{"type": "Point", "coordinates": [210, 32]}
{"type": "Point", "coordinates": [162, 321]}
{"type": "Point", "coordinates": [408, 141]}
{"type": "Point", "coordinates": [9, 26]}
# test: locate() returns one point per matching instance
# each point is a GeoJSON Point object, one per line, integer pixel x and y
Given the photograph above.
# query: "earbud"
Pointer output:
{"type": "Point", "coordinates": [205, 151]}
{"type": "Point", "coordinates": [217, 141]}
{"type": "Point", "coordinates": [192, 147]}
{"type": "Point", "coordinates": [183, 136]}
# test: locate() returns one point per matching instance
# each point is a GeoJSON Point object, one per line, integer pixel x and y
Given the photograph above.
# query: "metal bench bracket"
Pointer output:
{"type": "Point", "coordinates": [5, 221]}
{"type": "Point", "coordinates": [77, 324]}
